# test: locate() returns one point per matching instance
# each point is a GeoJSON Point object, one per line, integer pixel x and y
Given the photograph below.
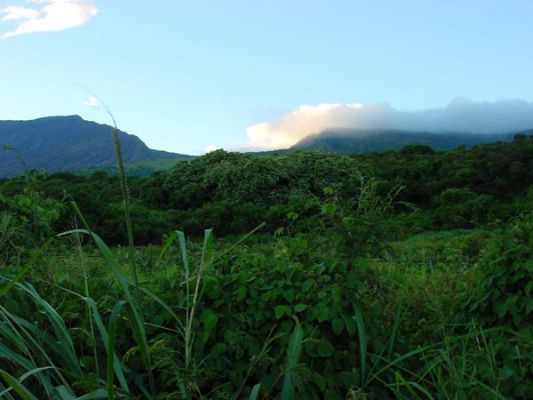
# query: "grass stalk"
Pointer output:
{"type": "Point", "coordinates": [135, 315]}
{"type": "Point", "coordinates": [126, 202]}
{"type": "Point", "coordinates": [191, 304]}
{"type": "Point", "coordinates": [125, 196]}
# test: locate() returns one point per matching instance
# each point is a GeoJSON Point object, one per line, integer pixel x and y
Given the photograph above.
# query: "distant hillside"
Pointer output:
{"type": "Point", "coordinates": [138, 168]}
{"type": "Point", "coordinates": [364, 141]}
{"type": "Point", "coordinates": [66, 144]}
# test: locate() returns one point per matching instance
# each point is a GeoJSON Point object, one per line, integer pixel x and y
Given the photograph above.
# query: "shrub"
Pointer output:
{"type": "Point", "coordinates": [461, 208]}
{"type": "Point", "coordinates": [505, 295]}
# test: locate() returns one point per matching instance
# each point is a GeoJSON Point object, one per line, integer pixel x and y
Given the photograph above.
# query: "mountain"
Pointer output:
{"type": "Point", "coordinates": [71, 143]}
{"type": "Point", "coordinates": [65, 144]}
{"type": "Point", "coordinates": [363, 141]}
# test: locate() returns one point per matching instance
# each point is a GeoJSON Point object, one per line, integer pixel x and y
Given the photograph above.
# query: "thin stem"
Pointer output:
{"type": "Point", "coordinates": [126, 202]}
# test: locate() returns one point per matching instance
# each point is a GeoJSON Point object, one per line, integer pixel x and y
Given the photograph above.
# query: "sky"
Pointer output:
{"type": "Point", "coordinates": [190, 76]}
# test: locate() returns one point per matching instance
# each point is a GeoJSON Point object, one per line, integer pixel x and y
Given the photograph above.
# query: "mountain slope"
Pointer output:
{"type": "Point", "coordinates": [67, 143]}
{"type": "Point", "coordinates": [138, 168]}
{"type": "Point", "coordinates": [363, 141]}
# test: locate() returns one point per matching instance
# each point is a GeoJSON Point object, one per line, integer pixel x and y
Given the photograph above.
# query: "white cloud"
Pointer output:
{"type": "Point", "coordinates": [15, 13]}
{"type": "Point", "coordinates": [48, 16]}
{"type": "Point", "coordinates": [461, 115]}
{"type": "Point", "coordinates": [296, 125]}
{"type": "Point", "coordinates": [92, 101]}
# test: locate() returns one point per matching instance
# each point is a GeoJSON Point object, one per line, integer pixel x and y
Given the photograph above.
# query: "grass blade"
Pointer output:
{"type": "Point", "coordinates": [117, 364]}
{"type": "Point", "coordinates": [135, 320]}
{"type": "Point", "coordinates": [363, 345]}
{"type": "Point", "coordinates": [255, 392]}
{"type": "Point", "coordinates": [18, 387]}
{"type": "Point", "coordinates": [112, 330]}
{"type": "Point", "coordinates": [293, 357]}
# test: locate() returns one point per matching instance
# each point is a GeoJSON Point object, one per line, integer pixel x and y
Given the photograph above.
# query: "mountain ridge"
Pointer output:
{"type": "Point", "coordinates": [66, 143]}
{"type": "Point", "coordinates": [346, 140]}
{"type": "Point", "coordinates": [70, 143]}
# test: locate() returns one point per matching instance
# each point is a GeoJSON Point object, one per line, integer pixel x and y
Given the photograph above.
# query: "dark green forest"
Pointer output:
{"type": "Point", "coordinates": [302, 275]}
{"type": "Point", "coordinates": [234, 192]}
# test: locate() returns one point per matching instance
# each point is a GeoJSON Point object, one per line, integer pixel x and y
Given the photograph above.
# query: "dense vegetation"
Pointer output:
{"type": "Point", "coordinates": [233, 192]}
{"type": "Point", "coordinates": [401, 274]}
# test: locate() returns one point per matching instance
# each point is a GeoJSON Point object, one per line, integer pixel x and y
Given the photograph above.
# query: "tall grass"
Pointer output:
{"type": "Point", "coordinates": [46, 355]}
{"type": "Point", "coordinates": [126, 200]}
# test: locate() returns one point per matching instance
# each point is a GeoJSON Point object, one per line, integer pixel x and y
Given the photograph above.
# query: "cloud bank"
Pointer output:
{"type": "Point", "coordinates": [48, 16]}
{"type": "Point", "coordinates": [461, 115]}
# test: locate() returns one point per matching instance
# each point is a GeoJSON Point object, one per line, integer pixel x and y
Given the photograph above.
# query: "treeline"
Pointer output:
{"type": "Point", "coordinates": [234, 192]}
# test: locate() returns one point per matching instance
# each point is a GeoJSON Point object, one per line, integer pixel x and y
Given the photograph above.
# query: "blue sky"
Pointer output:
{"type": "Point", "coordinates": [190, 75]}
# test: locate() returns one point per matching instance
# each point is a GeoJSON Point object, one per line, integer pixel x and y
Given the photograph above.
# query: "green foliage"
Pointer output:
{"type": "Point", "coordinates": [461, 208]}
{"type": "Point", "coordinates": [233, 192]}
{"type": "Point", "coordinates": [36, 212]}
{"type": "Point", "coordinates": [143, 168]}
{"type": "Point", "coordinates": [360, 224]}
{"type": "Point", "coordinates": [26, 219]}
{"type": "Point", "coordinates": [342, 302]}
{"type": "Point", "coordinates": [503, 298]}
{"type": "Point", "coordinates": [12, 236]}
{"type": "Point", "coordinates": [505, 295]}
{"type": "Point", "coordinates": [415, 149]}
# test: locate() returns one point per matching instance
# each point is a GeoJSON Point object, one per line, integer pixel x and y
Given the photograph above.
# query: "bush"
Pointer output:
{"type": "Point", "coordinates": [461, 208]}
{"type": "Point", "coordinates": [505, 295]}
{"type": "Point", "coordinates": [26, 219]}
{"type": "Point", "coordinates": [250, 303]}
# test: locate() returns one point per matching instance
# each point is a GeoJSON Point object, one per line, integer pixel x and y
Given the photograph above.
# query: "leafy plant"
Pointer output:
{"type": "Point", "coordinates": [504, 296]}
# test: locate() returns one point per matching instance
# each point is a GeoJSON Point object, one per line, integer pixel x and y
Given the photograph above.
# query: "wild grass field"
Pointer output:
{"type": "Point", "coordinates": [395, 275]}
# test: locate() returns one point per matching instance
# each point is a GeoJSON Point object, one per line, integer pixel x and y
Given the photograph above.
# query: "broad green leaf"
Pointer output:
{"type": "Point", "coordinates": [337, 325]}
{"type": "Point", "coordinates": [209, 320]}
{"type": "Point", "coordinates": [325, 348]}
{"type": "Point", "coordinates": [300, 307]}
